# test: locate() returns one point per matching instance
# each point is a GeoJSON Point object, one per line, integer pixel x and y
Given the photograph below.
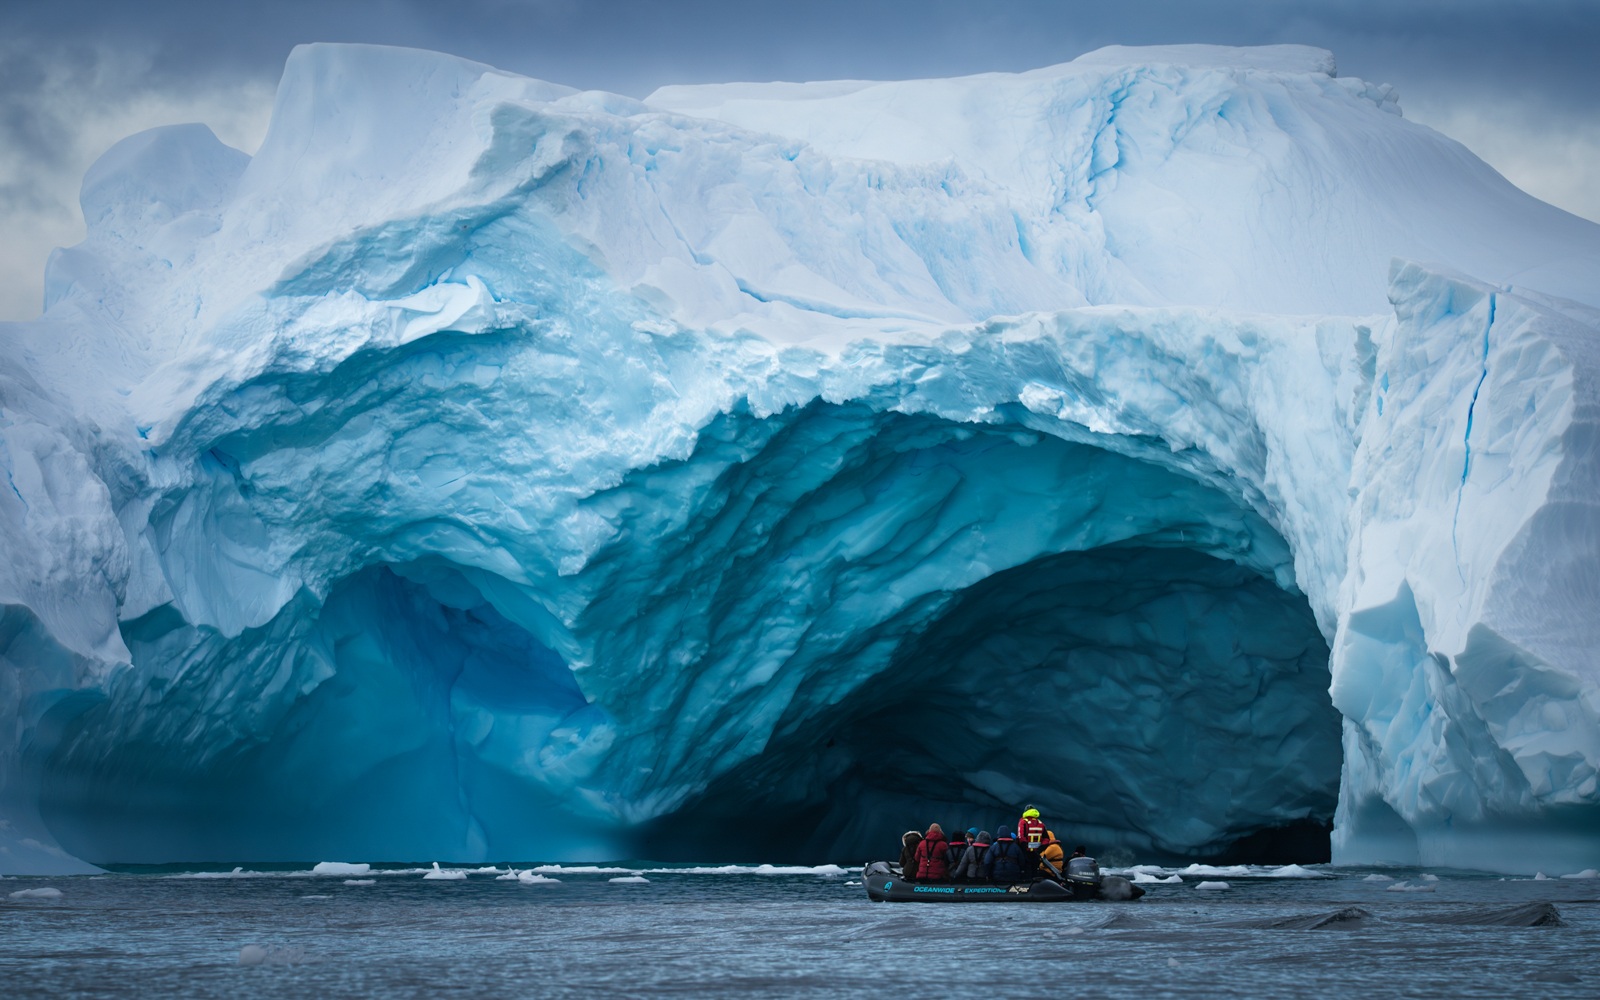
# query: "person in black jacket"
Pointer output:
{"type": "Point", "coordinates": [908, 854]}
{"type": "Point", "coordinates": [1005, 861]}
{"type": "Point", "coordinates": [955, 852]}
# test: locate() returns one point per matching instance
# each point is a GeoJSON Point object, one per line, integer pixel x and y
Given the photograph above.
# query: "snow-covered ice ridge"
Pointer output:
{"type": "Point", "coordinates": [489, 469]}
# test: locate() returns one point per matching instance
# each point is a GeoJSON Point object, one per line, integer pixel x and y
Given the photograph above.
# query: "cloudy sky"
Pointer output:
{"type": "Point", "coordinates": [1515, 80]}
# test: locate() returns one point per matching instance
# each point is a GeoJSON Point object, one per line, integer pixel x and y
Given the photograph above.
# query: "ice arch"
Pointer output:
{"type": "Point", "coordinates": [959, 618]}
{"type": "Point", "coordinates": [846, 614]}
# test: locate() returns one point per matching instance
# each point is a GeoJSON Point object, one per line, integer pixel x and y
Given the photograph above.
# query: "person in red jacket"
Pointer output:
{"type": "Point", "coordinates": [1030, 829]}
{"type": "Point", "coordinates": [931, 863]}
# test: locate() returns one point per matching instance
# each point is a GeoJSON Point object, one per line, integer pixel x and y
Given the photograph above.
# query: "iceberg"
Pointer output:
{"type": "Point", "coordinates": [1176, 438]}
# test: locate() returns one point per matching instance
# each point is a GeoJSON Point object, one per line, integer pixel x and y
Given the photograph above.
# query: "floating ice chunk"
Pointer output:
{"type": "Point", "coordinates": [829, 871]}
{"type": "Point", "coordinates": [1234, 871]}
{"type": "Point", "coordinates": [1172, 963]}
{"type": "Point", "coordinates": [1586, 873]}
{"type": "Point", "coordinates": [360, 881]}
{"type": "Point", "coordinates": [255, 954]}
{"type": "Point", "coordinates": [1143, 876]}
{"type": "Point", "coordinates": [316, 896]}
{"type": "Point", "coordinates": [339, 868]}
{"type": "Point", "coordinates": [526, 876]}
{"type": "Point", "coordinates": [1375, 877]}
{"type": "Point", "coordinates": [1540, 877]}
{"type": "Point", "coordinates": [1429, 877]}
{"type": "Point", "coordinates": [46, 893]}
{"type": "Point", "coordinates": [1296, 871]}
{"type": "Point", "coordinates": [1408, 887]}
{"type": "Point", "coordinates": [583, 870]}
{"type": "Point", "coordinates": [1213, 886]}
{"type": "Point", "coordinates": [445, 874]}
{"type": "Point", "coordinates": [628, 880]}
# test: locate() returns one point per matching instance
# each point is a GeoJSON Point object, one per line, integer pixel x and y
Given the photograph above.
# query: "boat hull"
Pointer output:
{"type": "Point", "coordinates": [881, 889]}
{"type": "Point", "coordinates": [886, 886]}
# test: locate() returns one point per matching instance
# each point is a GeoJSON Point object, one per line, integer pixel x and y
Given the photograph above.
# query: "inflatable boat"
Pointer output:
{"type": "Point", "coordinates": [885, 884]}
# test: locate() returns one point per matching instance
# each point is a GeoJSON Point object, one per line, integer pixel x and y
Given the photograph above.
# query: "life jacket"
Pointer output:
{"type": "Point", "coordinates": [972, 863]}
{"type": "Point", "coordinates": [931, 864]}
{"type": "Point", "coordinates": [1004, 860]}
{"type": "Point", "coordinates": [954, 853]}
{"type": "Point", "coordinates": [1030, 833]}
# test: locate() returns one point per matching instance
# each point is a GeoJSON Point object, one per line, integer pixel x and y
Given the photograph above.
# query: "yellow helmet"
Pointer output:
{"type": "Point", "coordinates": [1031, 814]}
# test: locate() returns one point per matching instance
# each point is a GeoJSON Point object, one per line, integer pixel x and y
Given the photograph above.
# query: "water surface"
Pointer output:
{"type": "Point", "coordinates": [795, 932]}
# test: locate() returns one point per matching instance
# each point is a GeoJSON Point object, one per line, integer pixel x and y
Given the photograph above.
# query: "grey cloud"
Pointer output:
{"type": "Point", "coordinates": [634, 45]}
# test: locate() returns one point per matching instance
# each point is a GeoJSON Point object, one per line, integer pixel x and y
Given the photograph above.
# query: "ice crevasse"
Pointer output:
{"type": "Point", "coordinates": [1176, 438]}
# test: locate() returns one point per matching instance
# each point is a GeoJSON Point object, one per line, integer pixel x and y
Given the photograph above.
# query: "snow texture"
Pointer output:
{"type": "Point", "coordinates": [490, 469]}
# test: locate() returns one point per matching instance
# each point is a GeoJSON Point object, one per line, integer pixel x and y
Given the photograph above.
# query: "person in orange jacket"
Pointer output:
{"type": "Point", "coordinates": [1052, 852]}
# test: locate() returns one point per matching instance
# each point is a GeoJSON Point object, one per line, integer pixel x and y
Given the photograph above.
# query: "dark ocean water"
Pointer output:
{"type": "Point", "coordinates": [738, 932]}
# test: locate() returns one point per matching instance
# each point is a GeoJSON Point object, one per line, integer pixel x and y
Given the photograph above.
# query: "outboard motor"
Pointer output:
{"type": "Point", "coordinates": [1083, 873]}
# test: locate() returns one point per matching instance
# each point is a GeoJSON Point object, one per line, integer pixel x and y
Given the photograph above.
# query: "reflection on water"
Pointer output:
{"type": "Point", "coordinates": [548, 930]}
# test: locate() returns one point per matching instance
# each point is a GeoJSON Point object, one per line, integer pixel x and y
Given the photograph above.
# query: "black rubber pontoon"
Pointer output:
{"type": "Point", "coordinates": [884, 884]}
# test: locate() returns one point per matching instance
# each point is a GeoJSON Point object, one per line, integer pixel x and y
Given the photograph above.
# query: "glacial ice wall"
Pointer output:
{"type": "Point", "coordinates": [1465, 662]}
{"type": "Point", "coordinates": [489, 470]}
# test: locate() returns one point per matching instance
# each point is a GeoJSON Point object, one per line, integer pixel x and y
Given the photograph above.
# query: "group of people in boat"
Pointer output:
{"type": "Point", "coordinates": [1020, 855]}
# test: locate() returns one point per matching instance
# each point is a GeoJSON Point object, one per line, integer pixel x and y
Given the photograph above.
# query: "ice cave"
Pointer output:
{"type": "Point", "coordinates": [1177, 439]}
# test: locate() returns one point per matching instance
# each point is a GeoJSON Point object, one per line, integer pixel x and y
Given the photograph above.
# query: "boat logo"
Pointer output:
{"type": "Point", "coordinates": [888, 885]}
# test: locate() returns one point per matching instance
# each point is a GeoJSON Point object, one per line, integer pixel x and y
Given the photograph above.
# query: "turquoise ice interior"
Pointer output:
{"type": "Point", "coordinates": [819, 629]}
